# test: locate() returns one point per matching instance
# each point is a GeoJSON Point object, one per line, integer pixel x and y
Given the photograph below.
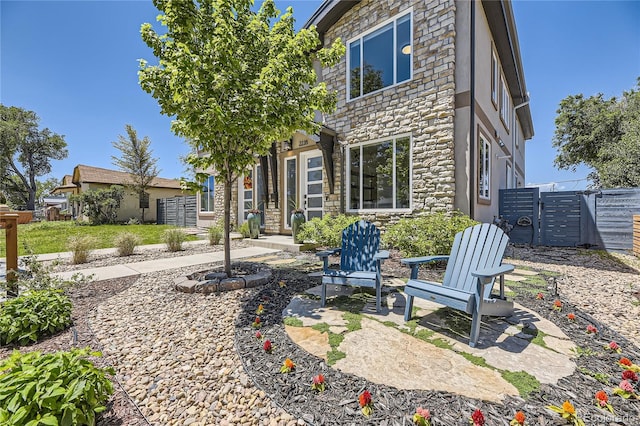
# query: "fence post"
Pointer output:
{"type": "Point", "coordinates": [636, 235]}
{"type": "Point", "coordinates": [9, 221]}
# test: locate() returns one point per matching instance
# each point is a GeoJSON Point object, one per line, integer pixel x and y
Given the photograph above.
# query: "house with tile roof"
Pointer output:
{"type": "Point", "coordinates": [85, 178]}
{"type": "Point", "coordinates": [432, 115]}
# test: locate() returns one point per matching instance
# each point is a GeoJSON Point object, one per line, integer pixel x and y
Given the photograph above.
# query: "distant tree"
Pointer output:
{"type": "Point", "coordinates": [100, 205]}
{"type": "Point", "coordinates": [235, 82]}
{"type": "Point", "coordinates": [25, 154]}
{"type": "Point", "coordinates": [372, 80]}
{"type": "Point", "coordinates": [136, 160]}
{"type": "Point", "coordinates": [603, 134]}
{"type": "Point", "coordinates": [44, 188]}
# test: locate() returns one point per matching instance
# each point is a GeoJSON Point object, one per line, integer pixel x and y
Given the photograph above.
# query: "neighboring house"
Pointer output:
{"type": "Point", "coordinates": [87, 178]}
{"type": "Point", "coordinates": [432, 115]}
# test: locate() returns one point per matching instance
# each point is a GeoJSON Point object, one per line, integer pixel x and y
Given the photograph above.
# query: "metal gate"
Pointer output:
{"type": "Point", "coordinates": [177, 211]}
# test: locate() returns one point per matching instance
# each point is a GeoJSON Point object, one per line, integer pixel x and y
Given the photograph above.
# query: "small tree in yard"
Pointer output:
{"type": "Point", "coordinates": [136, 160]}
{"type": "Point", "coordinates": [235, 82]}
{"type": "Point", "coordinates": [100, 205]}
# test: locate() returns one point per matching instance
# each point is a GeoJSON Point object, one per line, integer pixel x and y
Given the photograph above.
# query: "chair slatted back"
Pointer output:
{"type": "Point", "coordinates": [360, 243]}
{"type": "Point", "coordinates": [478, 247]}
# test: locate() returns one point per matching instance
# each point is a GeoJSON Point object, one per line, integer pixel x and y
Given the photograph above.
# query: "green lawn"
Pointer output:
{"type": "Point", "coordinates": [51, 237]}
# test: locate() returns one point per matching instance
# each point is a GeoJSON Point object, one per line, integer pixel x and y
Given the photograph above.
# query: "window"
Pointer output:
{"type": "Point", "coordinates": [206, 196]}
{"type": "Point", "coordinates": [494, 78]}
{"type": "Point", "coordinates": [484, 169]}
{"type": "Point", "coordinates": [379, 175]}
{"type": "Point", "coordinates": [380, 58]}
{"type": "Point", "coordinates": [505, 103]}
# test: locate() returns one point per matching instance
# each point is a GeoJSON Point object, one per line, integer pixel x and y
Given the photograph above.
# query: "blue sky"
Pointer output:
{"type": "Point", "coordinates": [75, 64]}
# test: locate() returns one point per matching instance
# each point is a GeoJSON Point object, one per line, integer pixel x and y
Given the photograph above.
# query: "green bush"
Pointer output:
{"type": "Point", "coordinates": [80, 247]}
{"type": "Point", "coordinates": [126, 243]}
{"type": "Point", "coordinates": [174, 238]}
{"type": "Point", "coordinates": [244, 230]}
{"type": "Point", "coordinates": [34, 314]}
{"type": "Point", "coordinates": [62, 388]}
{"type": "Point", "coordinates": [215, 234]}
{"type": "Point", "coordinates": [326, 232]}
{"type": "Point", "coordinates": [426, 235]}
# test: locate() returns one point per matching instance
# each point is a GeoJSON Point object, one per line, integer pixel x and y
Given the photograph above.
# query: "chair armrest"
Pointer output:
{"type": "Point", "coordinates": [330, 252]}
{"type": "Point", "coordinates": [493, 272]}
{"type": "Point", "coordinates": [381, 255]}
{"type": "Point", "coordinates": [414, 262]}
{"type": "Point", "coordinates": [410, 261]}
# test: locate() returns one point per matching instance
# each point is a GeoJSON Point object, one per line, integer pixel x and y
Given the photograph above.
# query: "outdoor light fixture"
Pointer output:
{"type": "Point", "coordinates": [286, 145]}
{"type": "Point", "coordinates": [406, 49]}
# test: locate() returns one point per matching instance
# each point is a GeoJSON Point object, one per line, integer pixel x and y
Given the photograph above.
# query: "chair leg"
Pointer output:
{"type": "Point", "coordinates": [323, 295]}
{"type": "Point", "coordinates": [408, 308]}
{"type": "Point", "coordinates": [378, 296]}
{"type": "Point", "coordinates": [475, 325]}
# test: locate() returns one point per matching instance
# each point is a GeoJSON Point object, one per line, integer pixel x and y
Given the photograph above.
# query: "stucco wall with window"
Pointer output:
{"type": "Point", "coordinates": [407, 117]}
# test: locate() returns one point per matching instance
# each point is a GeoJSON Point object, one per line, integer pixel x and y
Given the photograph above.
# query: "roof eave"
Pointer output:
{"type": "Point", "coordinates": [329, 12]}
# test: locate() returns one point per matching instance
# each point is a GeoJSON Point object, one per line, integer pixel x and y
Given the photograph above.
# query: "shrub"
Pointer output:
{"type": "Point", "coordinates": [100, 205]}
{"type": "Point", "coordinates": [326, 232]}
{"type": "Point", "coordinates": [173, 238]}
{"type": "Point", "coordinates": [244, 230]}
{"type": "Point", "coordinates": [80, 247]}
{"type": "Point", "coordinates": [34, 314]}
{"type": "Point", "coordinates": [126, 243]}
{"type": "Point", "coordinates": [215, 234]}
{"type": "Point", "coordinates": [426, 235]}
{"type": "Point", "coordinates": [58, 388]}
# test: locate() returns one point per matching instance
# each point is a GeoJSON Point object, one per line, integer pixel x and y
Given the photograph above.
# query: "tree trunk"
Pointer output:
{"type": "Point", "coordinates": [227, 225]}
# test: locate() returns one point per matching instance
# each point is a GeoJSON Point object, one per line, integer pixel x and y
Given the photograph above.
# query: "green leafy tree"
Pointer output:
{"type": "Point", "coordinates": [235, 80]}
{"type": "Point", "coordinates": [603, 134]}
{"type": "Point", "coordinates": [44, 188]}
{"type": "Point", "coordinates": [100, 205]}
{"type": "Point", "coordinates": [137, 160]}
{"type": "Point", "coordinates": [25, 153]}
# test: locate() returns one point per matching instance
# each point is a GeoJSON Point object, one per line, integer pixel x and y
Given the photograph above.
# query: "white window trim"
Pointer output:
{"type": "Point", "coordinates": [285, 188]}
{"type": "Point", "coordinates": [348, 175]}
{"type": "Point", "coordinates": [213, 198]}
{"type": "Point", "coordinates": [487, 145]}
{"type": "Point", "coordinates": [495, 80]}
{"type": "Point", "coordinates": [360, 37]}
{"type": "Point", "coordinates": [505, 102]}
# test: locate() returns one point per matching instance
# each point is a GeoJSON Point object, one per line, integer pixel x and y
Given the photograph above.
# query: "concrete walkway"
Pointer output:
{"type": "Point", "coordinates": [137, 268]}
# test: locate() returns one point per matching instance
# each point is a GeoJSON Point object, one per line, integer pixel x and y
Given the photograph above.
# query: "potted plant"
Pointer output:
{"type": "Point", "coordinates": [253, 219]}
{"type": "Point", "coordinates": [297, 219]}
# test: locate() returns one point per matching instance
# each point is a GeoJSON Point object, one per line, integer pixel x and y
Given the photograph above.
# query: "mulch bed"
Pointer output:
{"type": "Point", "coordinates": [338, 405]}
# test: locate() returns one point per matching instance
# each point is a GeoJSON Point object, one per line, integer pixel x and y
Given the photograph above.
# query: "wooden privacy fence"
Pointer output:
{"type": "Point", "coordinates": [602, 218]}
{"type": "Point", "coordinates": [178, 211]}
{"type": "Point", "coordinates": [636, 235]}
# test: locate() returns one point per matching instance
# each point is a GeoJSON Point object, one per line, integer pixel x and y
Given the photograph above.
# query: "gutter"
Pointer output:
{"type": "Point", "coordinates": [472, 111]}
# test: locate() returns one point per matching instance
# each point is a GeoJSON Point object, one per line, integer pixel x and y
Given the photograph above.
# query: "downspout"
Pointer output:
{"type": "Point", "coordinates": [514, 184]}
{"type": "Point", "coordinates": [472, 111]}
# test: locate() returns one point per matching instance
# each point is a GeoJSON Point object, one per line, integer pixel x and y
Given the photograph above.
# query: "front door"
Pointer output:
{"type": "Point", "coordinates": [311, 193]}
{"type": "Point", "coordinates": [251, 194]}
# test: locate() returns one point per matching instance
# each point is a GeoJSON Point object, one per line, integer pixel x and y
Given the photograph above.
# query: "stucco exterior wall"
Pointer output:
{"type": "Point", "coordinates": [422, 107]}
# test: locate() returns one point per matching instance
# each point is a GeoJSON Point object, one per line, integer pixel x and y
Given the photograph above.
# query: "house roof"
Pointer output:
{"type": "Point", "coordinates": [503, 28]}
{"type": "Point", "coordinates": [89, 174]}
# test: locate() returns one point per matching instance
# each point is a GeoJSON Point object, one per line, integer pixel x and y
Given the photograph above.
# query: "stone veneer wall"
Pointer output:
{"type": "Point", "coordinates": [423, 106]}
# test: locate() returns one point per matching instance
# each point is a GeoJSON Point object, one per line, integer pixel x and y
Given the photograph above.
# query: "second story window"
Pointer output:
{"type": "Point", "coordinates": [206, 196]}
{"type": "Point", "coordinates": [380, 57]}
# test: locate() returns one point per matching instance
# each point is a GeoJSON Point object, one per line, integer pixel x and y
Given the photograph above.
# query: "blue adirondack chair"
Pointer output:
{"type": "Point", "coordinates": [472, 267]}
{"type": "Point", "coordinates": [360, 260]}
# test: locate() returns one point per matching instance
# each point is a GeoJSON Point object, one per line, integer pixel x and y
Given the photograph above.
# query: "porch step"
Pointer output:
{"type": "Point", "coordinates": [280, 242]}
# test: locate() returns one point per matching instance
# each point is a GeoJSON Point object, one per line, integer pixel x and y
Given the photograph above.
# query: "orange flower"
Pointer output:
{"type": "Point", "coordinates": [288, 363]}
{"type": "Point", "coordinates": [568, 408]}
{"type": "Point", "coordinates": [518, 419]}
{"type": "Point", "coordinates": [557, 304]}
{"type": "Point", "coordinates": [540, 296]}
{"type": "Point", "coordinates": [365, 398]}
{"type": "Point", "coordinates": [625, 361]}
{"type": "Point", "coordinates": [571, 316]}
{"type": "Point", "coordinates": [260, 309]}
{"type": "Point", "coordinates": [602, 398]}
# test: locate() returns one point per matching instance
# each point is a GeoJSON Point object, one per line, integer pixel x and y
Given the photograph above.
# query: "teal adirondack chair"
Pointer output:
{"type": "Point", "coordinates": [472, 267]}
{"type": "Point", "coordinates": [360, 260]}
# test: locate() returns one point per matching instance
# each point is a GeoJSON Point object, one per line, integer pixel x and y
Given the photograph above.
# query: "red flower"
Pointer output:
{"type": "Point", "coordinates": [613, 346]}
{"type": "Point", "coordinates": [591, 329]}
{"type": "Point", "coordinates": [557, 305]}
{"type": "Point", "coordinates": [257, 320]}
{"type": "Point", "coordinates": [319, 379]}
{"type": "Point", "coordinates": [626, 361]}
{"type": "Point", "coordinates": [518, 418]}
{"type": "Point", "coordinates": [540, 296]}
{"type": "Point", "coordinates": [630, 375]}
{"type": "Point", "coordinates": [478, 418]}
{"type": "Point", "coordinates": [365, 399]}
{"type": "Point", "coordinates": [258, 335]}
{"type": "Point", "coordinates": [267, 345]}
{"type": "Point", "coordinates": [571, 316]}
{"type": "Point", "coordinates": [602, 398]}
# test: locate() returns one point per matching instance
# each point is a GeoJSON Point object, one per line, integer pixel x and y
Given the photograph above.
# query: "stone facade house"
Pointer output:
{"type": "Point", "coordinates": [87, 178]}
{"type": "Point", "coordinates": [432, 115]}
